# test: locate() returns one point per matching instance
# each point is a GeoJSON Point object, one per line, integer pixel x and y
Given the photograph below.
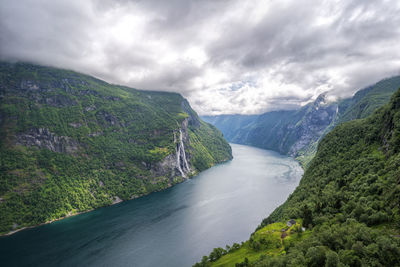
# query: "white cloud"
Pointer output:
{"type": "Point", "coordinates": [224, 56]}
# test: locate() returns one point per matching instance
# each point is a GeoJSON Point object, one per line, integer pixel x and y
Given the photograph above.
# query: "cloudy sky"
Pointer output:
{"type": "Point", "coordinates": [224, 56]}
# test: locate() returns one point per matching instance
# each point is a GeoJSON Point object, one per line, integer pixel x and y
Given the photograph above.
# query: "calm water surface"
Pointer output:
{"type": "Point", "coordinates": [175, 227]}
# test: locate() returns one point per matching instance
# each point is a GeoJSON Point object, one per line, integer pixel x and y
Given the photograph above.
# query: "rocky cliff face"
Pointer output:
{"type": "Point", "coordinates": [173, 165]}
{"type": "Point", "coordinates": [43, 138]}
{"type": "Point", "coordinates": [178, 163]}
{"type": "Point", "coordinates": [309, 130]}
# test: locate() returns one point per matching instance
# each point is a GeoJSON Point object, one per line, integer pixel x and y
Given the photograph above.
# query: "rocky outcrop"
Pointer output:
{"type": "Point", "coordinates": [116, 200]}
{"type": "Point", "coordinates": [43, 93]}
{"type": "Point", "coordinates": [58, 101]}
{"type": "Point", "coordinates": [313, 124]}
{"type": "Point", "coordinates": [178, 163]}
{"type": "Point", "coordinates": [107, 119]}
{"type": "Point", "coordinates": [43, 138]}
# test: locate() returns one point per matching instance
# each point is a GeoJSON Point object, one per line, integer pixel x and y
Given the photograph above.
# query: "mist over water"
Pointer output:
{"type": "Point", "coordinates": [175, 227]}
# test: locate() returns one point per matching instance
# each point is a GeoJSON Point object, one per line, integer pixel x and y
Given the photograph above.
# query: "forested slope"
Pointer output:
{"type": "Point", "coordinates": [71, 143]}
{"type": "Point", "coordinates": [348, 201]}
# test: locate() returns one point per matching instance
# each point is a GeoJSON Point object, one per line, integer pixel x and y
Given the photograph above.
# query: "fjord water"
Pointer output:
{"type": "Point", "coordinates": [175, 227]}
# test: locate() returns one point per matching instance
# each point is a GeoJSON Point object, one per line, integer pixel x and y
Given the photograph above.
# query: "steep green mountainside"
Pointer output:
{"type": "Point", "coordinates": [298, 132]}
{"type": "Point", "coordinates": [348, 200]}
{"type": "Point", "coordinates": [366, 101]}
{"type": "Point", "coordinates": [72, 143]}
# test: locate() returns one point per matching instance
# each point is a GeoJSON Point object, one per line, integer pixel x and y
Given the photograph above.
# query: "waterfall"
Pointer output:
{"type": "Point", "coordinates": [181, 161]}
{"type": "Point", "coordinates": [185, 163]}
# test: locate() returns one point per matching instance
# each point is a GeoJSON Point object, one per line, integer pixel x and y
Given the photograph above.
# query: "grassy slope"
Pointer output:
{"type": "Point", "coordinates": [267, 241]}
{"type": "Point", "coordinates": [121, 134]}
{"type": "Point", "coordinates": [349, 196]}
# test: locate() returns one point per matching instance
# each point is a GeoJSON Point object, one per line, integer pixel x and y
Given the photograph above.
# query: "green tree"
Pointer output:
{"type": "Point", "coordinates": [332, 259]}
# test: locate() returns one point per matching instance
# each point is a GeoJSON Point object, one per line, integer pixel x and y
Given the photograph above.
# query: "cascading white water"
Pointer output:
{"type": "Point", "coordinates": [181, 161]}
{"type": "Point", "coordinates": [185, 163]}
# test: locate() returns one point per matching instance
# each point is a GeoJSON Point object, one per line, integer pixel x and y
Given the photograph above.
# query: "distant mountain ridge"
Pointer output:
{"type": "Point", "coordinates": [298, 132]}
{"type": "Point", "coordinates": [71, 143]}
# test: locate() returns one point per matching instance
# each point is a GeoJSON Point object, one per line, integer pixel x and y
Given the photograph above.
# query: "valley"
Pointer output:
{"type": "Point", "coordinates": [347, 202]}
{"type": "Point", "coordinates": [176, 226]}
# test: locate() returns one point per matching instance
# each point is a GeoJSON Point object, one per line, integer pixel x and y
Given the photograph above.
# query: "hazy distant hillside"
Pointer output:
{"type": "Point", "coordinates": [288, 132]}
{"type": "Point", "coordinates": [298, 132]}
{"type": "Point", "coordinates": [71, 143]}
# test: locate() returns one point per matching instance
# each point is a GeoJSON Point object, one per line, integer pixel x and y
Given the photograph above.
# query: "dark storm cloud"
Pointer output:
{"type": "Point", "coordinates": [226, 56]}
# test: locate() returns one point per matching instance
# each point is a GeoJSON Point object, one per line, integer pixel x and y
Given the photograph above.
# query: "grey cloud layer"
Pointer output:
{"type": "Point", "coordinates": [225, 56]}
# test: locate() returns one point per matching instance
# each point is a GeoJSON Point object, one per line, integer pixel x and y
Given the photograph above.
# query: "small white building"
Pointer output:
{"type": "Point", "coordinates": [291, 222]}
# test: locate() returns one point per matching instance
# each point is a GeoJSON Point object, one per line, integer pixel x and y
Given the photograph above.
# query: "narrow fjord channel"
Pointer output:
{"type": "Point", "coordinates": [175, 227]}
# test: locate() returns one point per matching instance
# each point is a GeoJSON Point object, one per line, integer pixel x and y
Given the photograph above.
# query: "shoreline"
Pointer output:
{"type": "Point", "coordinates": [113, 203]}
{"type": "Point", "coordinates": [78, 213]}
{"type": "Point", "coordinates": [37, 225]}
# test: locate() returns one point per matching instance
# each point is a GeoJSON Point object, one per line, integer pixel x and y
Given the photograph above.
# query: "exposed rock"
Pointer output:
{"type": "Point", "coordinates": [116, 200]}
{"type": "Point", "coordinates": [107, 119]}
{"type": "Point", "coordinates": [90, 108]}
{"type": "Point", "coordinates": [88, 92]}
{"type": "Point", "coordinates": [43, 93]}
{"type": "Point", "coordinates": [94, 134]}
{"type": "Point", "coordinates": [178, 163]}
{"type": "Point", "coordinates": [75, 124]}
{"type": "Point", "coordinates": [113, 98]}
{"type": "Point", "coordinates": [120, 165]}
{"type": "Point", "coordinates": [58, 101]}
{"type": "Point", "coordinates": [72, 81]}
{"type": "Point", "coordinates": [43, 138]}
{"type": "Point", "coordinates": [29, 85]}
{"type": "Point", "coordinates": [314, 124]}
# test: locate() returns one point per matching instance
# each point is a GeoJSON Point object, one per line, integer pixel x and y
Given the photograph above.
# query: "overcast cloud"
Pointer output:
{"type": "Point", "coordinates": [224, 56]}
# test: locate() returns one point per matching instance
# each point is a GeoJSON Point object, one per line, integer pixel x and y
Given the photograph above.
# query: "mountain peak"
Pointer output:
{"type": "Point", "coordinates": [321, 99]}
